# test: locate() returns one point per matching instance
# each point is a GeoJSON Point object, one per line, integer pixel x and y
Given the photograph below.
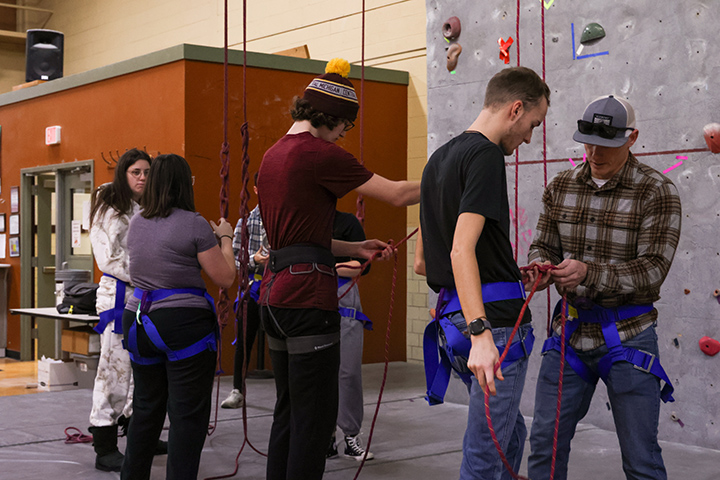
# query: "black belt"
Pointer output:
{"type": "Point", "coordinates": [300, 253]}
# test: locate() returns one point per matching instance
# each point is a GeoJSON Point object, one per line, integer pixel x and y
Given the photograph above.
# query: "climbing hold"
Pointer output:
{"type": "Point", "coordinates": [712, 136]}
{"type": "Point", "coordinates": [709, 346]}
{"type": "Point", "coordinates": [674, 417]}
{"type": "Point", "coordinates": [676, 342]}
{"type": "Point", "coordinates": [716, 293]}
{"type": "Point", "coordinates": [592, 33]}
{"type": "Point", "coordinates": [451, 28]}
{"type": "Point", "coordinates": [687, 291]}
{"type": "Point", "coordinates": [504, 46]}
{"type": "Point", "coordinates": [453, 53]}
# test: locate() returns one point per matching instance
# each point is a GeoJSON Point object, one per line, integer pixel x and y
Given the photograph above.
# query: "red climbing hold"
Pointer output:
{"type": "Point", "coordinates": [709, 346]}
{"type": "Point", "coordinates": [504, 46]}
{"type": "Point", "coordinates": [712, 136]}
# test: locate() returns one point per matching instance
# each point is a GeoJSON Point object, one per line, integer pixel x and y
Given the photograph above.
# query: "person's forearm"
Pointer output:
{"type": "Point", "coordinates": [227, 251]}
{"type": "Point", "coordinates": [344, 270]}
{"type": "Point", "coordinates": [468, 283]}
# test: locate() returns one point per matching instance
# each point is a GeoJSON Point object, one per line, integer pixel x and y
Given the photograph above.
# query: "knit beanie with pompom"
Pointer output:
{"type": "Point", "coordinates": [332, 93]}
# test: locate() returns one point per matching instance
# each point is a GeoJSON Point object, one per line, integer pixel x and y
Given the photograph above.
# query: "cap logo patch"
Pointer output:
{"type": "Point", "coordinates": [604, 119]}
{"type": "Point", "coordinates": [333, 89]}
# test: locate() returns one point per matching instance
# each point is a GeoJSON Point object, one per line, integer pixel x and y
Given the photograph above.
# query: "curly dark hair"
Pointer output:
{"type": "Point", "coordinates": [302, 110]}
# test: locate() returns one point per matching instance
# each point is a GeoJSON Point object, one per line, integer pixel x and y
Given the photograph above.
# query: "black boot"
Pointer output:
{"type": "Point", "coordinates": [108, 458]}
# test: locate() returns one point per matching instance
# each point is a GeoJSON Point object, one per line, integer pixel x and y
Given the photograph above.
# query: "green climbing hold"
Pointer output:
{"type": "Point", "coordinates": [592, 33]}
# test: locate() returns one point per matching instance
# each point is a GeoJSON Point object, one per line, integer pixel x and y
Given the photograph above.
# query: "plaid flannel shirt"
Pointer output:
{"type": "Point", "coordinates": [256, 234]}
{"type": "Point", "coordinates": [626, 232]}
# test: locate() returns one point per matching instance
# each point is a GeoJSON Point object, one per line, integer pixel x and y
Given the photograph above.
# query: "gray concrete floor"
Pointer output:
{"type": "Point", "coordinates": [411, 439]}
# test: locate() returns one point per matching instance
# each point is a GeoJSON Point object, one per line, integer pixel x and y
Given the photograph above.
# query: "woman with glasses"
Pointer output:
{"type": "Point", "coordinates": [169, 321]}
{"type": "Point", "coordinates": [113, 205]}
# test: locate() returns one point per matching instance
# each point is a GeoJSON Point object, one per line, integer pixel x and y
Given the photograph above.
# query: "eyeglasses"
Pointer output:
{"type": "Point", "coordinates": [604, 131]}
{"type": "Point", "coordinates": [137, 172]}
{"type": "Point", "coordinates": [348, 126]}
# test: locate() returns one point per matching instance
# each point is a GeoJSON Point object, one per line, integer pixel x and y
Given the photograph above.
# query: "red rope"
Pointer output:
{"type": "Point", "coordinates": [387, 345]}
{"type": "Point", "coordinates": [78, 437]}
{"type": "Point", "coordinates": [563, 320]}
{"type": "Point", "coordinates": [362, 267]}
{"type": "Point", "coordinates": [223, 304]}
{"type": "Point", "coordinates": [545, 161]}
{"type": "Point", "coordinates": [243, 254]}
{"type": "Point", "coordinates": [498, 447]}
{"type": "Point", "coordinates": [360, 202]}
{"type": "Point", "coordinates": [517, 150]}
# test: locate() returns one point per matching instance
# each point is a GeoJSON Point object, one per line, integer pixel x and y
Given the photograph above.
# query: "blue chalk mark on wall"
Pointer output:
{"type": "Point", "coordinates": [578, 57]}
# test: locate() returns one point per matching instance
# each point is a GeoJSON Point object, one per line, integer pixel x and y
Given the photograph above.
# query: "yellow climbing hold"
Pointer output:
{"type": "Point", "coordinates": [339, 66]}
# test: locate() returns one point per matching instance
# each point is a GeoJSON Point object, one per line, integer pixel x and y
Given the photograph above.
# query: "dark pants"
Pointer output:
{"type": "Point", "coordinates": [182, 388]}
{"type": "Point", "coordinates": [307, 395]}
{"type": "Point", "coordinates": [253, 323]}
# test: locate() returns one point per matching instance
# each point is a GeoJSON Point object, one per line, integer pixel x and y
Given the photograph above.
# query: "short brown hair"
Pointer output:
{"type": "Point", "coordinates": [303, 110]}
{"type": "Point", "coordinates": [516, 83]}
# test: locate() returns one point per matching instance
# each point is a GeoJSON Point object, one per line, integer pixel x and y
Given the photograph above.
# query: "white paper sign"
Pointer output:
{"type": "Point", "coordinates": [3, 242]}
{"type": "Point", "coordinates": [76, 230]}
{"type": "Point", "coordinates": [86, 216]}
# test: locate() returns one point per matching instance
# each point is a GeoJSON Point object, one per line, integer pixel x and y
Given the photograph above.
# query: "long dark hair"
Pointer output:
{"type": "Point", "coordinates": [117, 194]}
{"type": "Point", "coordinates": [169, 185]}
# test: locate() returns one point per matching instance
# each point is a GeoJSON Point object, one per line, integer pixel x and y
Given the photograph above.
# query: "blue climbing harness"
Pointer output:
{"type": "Point", "coordinates": [353, 312]}
{"type": "Point", "coordinates": [256, 279]}
{"type": "Point", "coordinates": [146, 297]}
{"type": "Point", "coordinates": [617, 352]}
{"type": "Point", "coordinates": [114, 314]}
{"type": "Point", "coordinates": [439, 358]}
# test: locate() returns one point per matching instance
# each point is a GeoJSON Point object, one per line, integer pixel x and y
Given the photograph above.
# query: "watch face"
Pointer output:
{"type": "Point", "coordinates": [476, 327]}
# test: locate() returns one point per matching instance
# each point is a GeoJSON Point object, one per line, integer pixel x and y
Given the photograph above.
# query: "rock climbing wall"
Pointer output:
{"type": "Point", "coordinates": [660, 55]}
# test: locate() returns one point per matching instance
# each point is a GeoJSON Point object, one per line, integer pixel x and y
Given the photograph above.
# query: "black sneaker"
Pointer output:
{"type": "Point", "coordinates": [332, 449]}
{"type": "Point", "coordinates": [353, 449]}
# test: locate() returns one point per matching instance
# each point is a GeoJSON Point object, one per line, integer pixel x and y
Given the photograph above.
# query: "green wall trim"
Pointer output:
{"type": "Point", "coordinates": [195, 53]}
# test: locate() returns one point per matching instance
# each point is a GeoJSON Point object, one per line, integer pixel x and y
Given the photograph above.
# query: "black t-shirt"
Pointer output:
{"type": "Point", "coordinates": [348, 228]}
{"type": "Point", "coordinates": [467, 174]}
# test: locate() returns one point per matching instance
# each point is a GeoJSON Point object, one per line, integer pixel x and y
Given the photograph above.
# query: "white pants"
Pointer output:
{"type": "Point", "coordinates": [113, 391]}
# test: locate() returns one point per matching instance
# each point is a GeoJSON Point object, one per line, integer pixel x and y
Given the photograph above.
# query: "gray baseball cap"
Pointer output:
{"type": "Point", "coordinates": [610, 111]}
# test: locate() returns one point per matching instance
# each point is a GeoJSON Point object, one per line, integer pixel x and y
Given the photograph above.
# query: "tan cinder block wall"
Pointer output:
{"type": "Point", "coordinates": [101, 33]}
{"type": "Point", "coordinates": [12, 66]}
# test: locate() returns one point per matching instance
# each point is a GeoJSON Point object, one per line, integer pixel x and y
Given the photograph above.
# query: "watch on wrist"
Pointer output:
{"type": "Point", "coordinates": [478, 326]}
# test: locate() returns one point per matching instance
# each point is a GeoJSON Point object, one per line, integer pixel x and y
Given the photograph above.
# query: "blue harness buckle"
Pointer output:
{"type": "Point", "coordinates": [649, 364]}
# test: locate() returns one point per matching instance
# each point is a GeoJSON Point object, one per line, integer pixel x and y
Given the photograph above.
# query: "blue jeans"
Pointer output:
{"type": "Point", "coordinates": [481, 460]}
{"type": "Point", "coordinates": [635, 401]}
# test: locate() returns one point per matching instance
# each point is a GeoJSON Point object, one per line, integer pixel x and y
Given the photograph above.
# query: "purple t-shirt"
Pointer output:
{"type": "Point", "coordinates": [163, 254]}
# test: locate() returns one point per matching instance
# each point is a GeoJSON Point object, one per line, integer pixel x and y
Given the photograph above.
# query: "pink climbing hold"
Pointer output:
{"type": "Point", "coordinates": [709, 346]}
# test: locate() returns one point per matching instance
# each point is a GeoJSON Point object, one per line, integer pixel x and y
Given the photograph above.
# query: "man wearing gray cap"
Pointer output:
{"type": "Point", "coordinates": [611, 226]}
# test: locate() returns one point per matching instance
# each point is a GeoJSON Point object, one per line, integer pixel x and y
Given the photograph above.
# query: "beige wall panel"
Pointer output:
{"type": "Point", "coordinates": [12, 66]}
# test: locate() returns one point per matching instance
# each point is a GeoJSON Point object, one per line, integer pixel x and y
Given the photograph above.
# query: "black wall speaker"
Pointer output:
{"type": "Point", "coordinates": [43, 55]}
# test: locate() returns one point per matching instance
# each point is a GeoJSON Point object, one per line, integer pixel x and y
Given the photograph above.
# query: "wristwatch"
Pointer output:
{"type": "Point", "coordinates": [478, 326]}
